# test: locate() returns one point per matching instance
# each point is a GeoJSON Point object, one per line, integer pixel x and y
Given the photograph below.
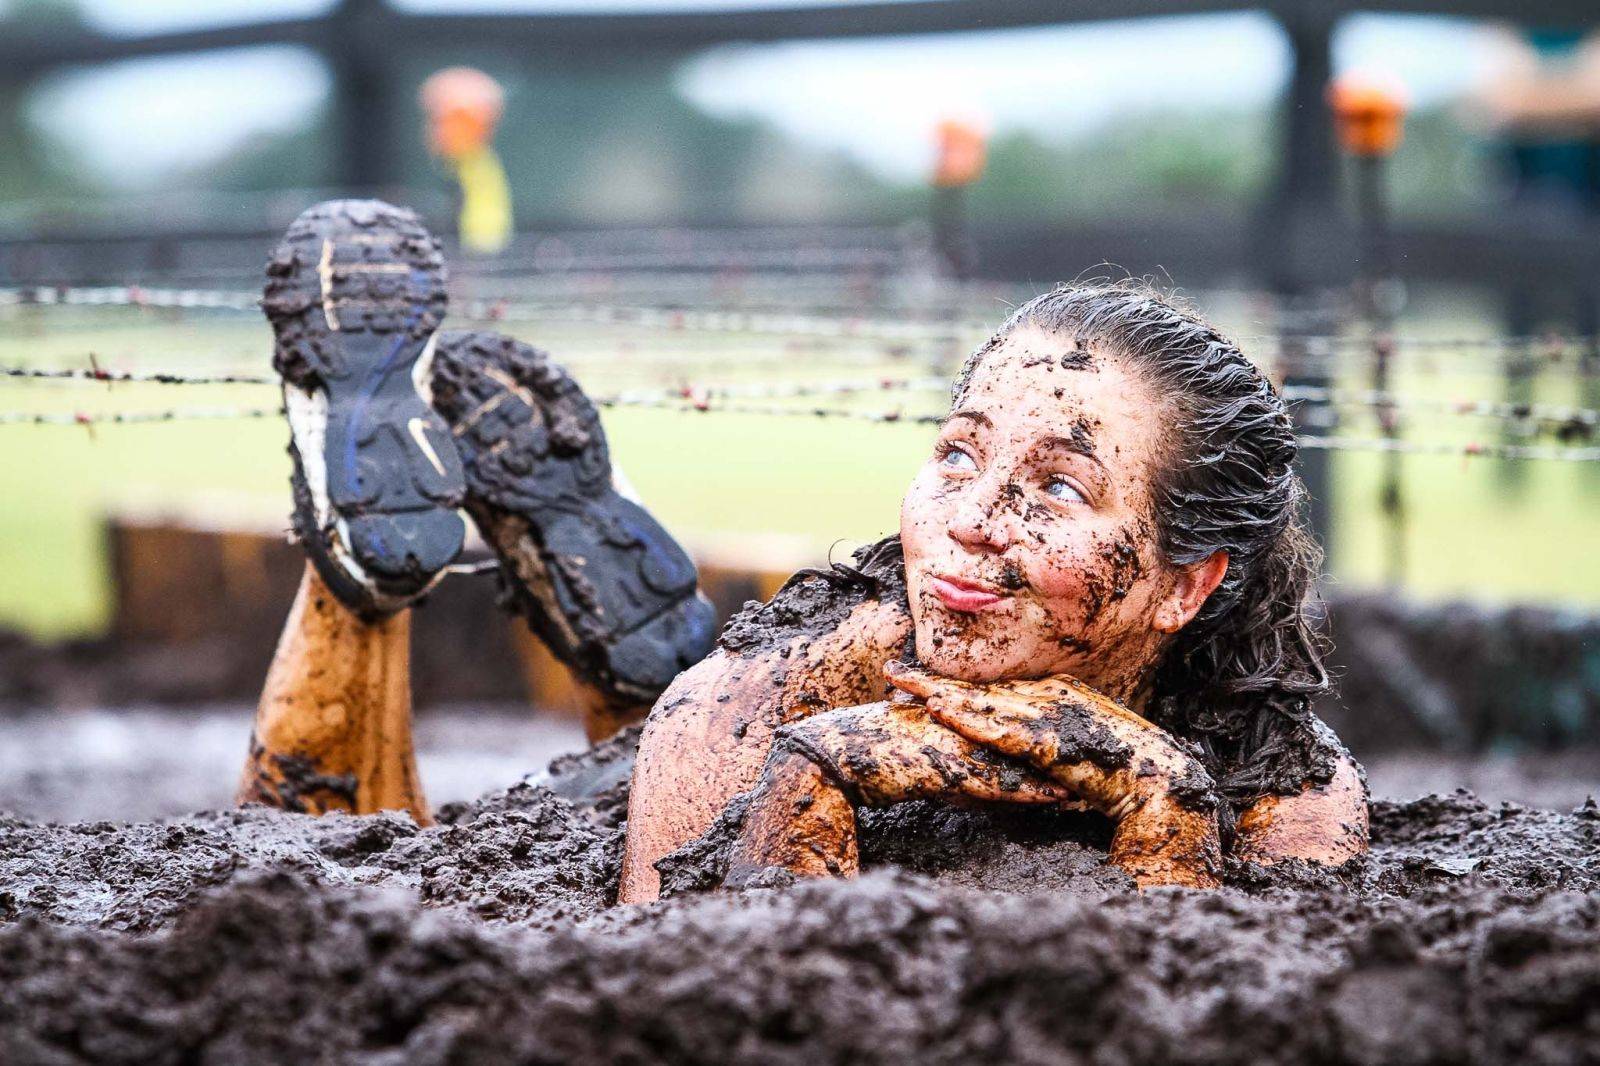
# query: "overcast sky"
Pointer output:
{"type": "Point", "coordinates": [875, 99]}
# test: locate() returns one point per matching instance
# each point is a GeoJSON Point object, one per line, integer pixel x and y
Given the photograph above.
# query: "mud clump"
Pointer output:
{"type": "Point", "coordinates": [523, 855]}
{"type": "Point", "coordinates": [1471, 934]}
{"type": "Point", "coordinates": [816, 601]}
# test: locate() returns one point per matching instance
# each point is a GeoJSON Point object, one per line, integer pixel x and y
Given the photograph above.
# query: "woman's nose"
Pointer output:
{"type": "Point", "coordinates": [986, 526]}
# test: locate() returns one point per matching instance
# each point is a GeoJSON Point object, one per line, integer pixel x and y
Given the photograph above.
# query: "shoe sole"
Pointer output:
{"type": "Point", "coordinates": [599, 580]}
{"type": "Point", "coordinates": [355, 293]}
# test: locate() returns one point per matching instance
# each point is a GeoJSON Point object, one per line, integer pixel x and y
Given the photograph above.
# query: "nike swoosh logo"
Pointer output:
{"type": "Point", "coordinates": [419, 433]}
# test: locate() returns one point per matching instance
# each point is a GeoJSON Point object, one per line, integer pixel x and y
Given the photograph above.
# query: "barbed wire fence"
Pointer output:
{"type": "Point", "coordinates": [933, 334]}
{"type": "Point", "coordinates": [938, 323]}
{"type": "Point", "coordinates": [1568, 423]}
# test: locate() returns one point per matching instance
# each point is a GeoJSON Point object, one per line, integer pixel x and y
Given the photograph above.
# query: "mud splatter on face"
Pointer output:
{"type": "Point", "coordinates": [1083, 434]}
{"type": "Point", "coordinates": [1027, 546]}
{"type": "Point", "coordinates": [1125, 569]}
{"type": "Point", "coordinates": [1076, 357]}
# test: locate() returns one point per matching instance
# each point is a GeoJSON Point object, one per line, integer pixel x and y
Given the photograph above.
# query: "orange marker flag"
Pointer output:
{"type": "Point", "coordinates": [963, 151]}
{"type": "Point", "coordinates": [1368, 113]}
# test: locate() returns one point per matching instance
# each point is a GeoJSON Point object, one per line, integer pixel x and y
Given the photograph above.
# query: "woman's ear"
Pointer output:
{"type": "Point", "coordinates": [1193, 585]}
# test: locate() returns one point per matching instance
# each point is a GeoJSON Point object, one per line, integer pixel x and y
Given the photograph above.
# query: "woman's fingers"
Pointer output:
{"type": "Point", "coordinates": [1006, 725]}
{"type": "Point", "coordinates": [919, 682]}
{"type": "Point", "coordinates": [888, 753]}
{"type": "Point", "coordinates": [924, 684]}
{"type": "Point", "coordinates": [1074, 742]}
{"type": "Point", "coordinates": [1116, 761]}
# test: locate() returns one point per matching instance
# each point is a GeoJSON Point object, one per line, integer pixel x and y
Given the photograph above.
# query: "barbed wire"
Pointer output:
{"type": "Point", "coordinates": [556, 259]}
{"type": "Point", "coordinates": [743, 320]}
{"type": "Point", "coordinates": [691, 405]}
{"type": "Point", "coordinates": [1469, 450]}
{"type": "Point", "coordinates": [1516, 412]}
{"type": "Point", "coordinates": [705, 404]}
{"type": "Point", "coordinates": [176, 414]}
{"type": "Point", "coordinates": [129, 296]}
{"type": "Point", "coordinates": [732, 320]}
{"type": "Point", "coordinates": [94, 373]}
{"type": "Point", "coordinates": [1558, 416]}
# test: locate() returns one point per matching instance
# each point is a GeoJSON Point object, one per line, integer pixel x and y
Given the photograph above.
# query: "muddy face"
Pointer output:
{"type": "Point", "coordinates": [1029, 533]}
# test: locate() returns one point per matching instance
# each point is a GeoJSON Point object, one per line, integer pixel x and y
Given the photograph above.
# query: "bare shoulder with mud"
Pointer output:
{"type": "Point", "coordinates": [820, 643]}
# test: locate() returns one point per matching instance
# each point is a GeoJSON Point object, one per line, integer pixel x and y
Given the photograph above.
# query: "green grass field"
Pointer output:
{"type": "Point", "coordinates": [1469, 533]}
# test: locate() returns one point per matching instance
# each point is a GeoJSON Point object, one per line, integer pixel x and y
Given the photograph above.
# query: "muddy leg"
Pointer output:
{"type": "Point", "coordinates": [333, 728]}
{"type": "Point", "coordinates": [604, 715]}
{"type": "Point", "coordinates": [801, 816]}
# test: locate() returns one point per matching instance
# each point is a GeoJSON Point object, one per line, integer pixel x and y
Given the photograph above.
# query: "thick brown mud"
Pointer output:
{"type": "Point", "coordinates": [1470, 934]}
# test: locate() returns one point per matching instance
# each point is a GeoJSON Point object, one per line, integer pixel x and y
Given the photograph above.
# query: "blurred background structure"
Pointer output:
{"type": "Point", "coordinates": [1195, 144]}
{"type": "Point", "coordinates": [763, 232]}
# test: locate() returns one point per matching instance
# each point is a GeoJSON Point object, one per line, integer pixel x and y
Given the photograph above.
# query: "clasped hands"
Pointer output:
{"type": "Point", "coordinates": [1047, 741]}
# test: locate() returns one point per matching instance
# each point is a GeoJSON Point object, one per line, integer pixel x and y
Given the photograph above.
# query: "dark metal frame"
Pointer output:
{"type": "Point", "coordinates": [1297, 241]}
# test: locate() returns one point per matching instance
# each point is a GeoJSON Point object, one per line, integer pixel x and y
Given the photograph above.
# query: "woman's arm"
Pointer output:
{"type": "Point", "coordinates": [708, 736]}
{"type": "Point", "coordinates": [1161, 798]}
{"type": "Point", "coordinates": [1324, 823]}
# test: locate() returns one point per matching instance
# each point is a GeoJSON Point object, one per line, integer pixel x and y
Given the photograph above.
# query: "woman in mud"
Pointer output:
{"type": "Point", "coordinates": [1098, 597]}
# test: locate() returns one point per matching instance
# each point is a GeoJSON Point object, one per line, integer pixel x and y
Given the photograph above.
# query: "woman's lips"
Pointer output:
{"type": "Point", "coordinates": [965, 596]}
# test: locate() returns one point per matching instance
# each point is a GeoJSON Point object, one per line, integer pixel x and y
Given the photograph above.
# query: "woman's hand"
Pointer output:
{"type": "Point", "coordinates": [801, 815]}
{"type": "Point", "coordinates": [1120, 764]}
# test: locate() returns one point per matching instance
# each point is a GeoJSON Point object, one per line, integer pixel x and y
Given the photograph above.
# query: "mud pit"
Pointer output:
{"type": "Point", "coordinates": [1471, 934]}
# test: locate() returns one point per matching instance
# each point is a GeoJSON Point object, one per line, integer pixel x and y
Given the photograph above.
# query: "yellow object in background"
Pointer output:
{"type": "Point", "coordinates": [463, 107]}
{"type": "Point", "coordinates": [486, 222]}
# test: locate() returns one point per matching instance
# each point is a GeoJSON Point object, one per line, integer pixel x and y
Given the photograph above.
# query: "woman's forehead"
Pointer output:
{"type": "Point", "coordinates": [1034, 377]}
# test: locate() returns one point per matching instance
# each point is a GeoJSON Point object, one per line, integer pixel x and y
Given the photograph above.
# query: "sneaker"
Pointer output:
{"type": "Point", "coordinates": [354, 293]}
{"type": "Point", "coordinates": [599, 580]}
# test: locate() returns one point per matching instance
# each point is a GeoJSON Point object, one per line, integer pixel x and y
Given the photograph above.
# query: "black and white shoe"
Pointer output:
{"type": "Point", "coordinates": [599, 580]}
{"type": "Point", "coordinates": [355, 292]}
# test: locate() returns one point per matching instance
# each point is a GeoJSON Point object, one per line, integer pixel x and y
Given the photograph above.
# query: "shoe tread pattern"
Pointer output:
{"type": "Point", "coordinates": [534, 450]}
{"type": "Point", "coordinates": [354, 292]}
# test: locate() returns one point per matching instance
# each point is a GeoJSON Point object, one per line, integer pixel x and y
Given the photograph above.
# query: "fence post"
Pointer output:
{"type": "Point", "coordinates": [1370, 119]}
{"type": "Point", "coordinates": [1293, 236]}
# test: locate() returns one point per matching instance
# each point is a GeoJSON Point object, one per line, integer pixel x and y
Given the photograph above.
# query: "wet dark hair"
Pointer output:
{"type": "Point", "coordinates": [1239, 678]}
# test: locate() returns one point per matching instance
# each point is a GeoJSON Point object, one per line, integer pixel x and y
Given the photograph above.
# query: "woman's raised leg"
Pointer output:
{"type": "Point", "coordinates": [333, 728]}
{"type": "Point", "coordinates": [354, 293]}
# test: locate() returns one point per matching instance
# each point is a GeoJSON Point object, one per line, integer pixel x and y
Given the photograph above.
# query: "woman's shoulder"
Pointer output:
{"type": "Point", "coordinates": [816, 601]}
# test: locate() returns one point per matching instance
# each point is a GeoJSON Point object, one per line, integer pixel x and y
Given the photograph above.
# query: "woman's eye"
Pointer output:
{"type": "Point", "coordinates": [1062, 489]}
{"type": "Point", "coordinates": [956, 459]}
